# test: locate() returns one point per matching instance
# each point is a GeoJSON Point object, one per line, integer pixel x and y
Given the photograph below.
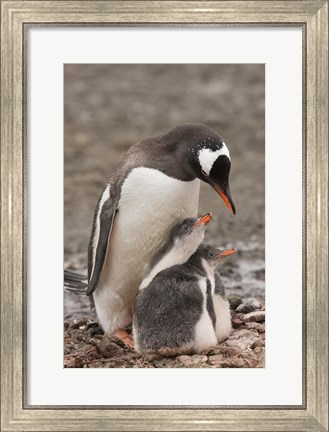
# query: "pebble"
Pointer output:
{"type": "Point", "coordinates": [192, 360]}
{"type": "Point", "coordinates": [165, 363]}
{"type": "Point", "coordinates": [72, 362]}
{"type": "Point", "coordinates": [242, 339]}
{"type": "Point", "coordinates": [69, 361]}
{"type": "Point", "coordinates": [237, 323]}
{"type": "Point", "coordinates": [258, 343]}
{"type": "Point", "coordinates": [234, 301]}
{"type": "Point", "coordinates": [228, 362]}
{"type": "Point", "coordinates": [248, 305]}
{"type": "Point", "coordinates": [77, 323]}
{"type": "Point", "coordinates": [233, 362]}
{"type": "Point", "coordinates": [255, 326]}
{"type": "Point", "coordinates": [258, 316]}
{"type": "Point", "coordinates": [93, 328]}
{"type": "Point", "coordinates": [95, 331]}
{"type": "Point", "coordinates": [224, 350]}
{"type": "Point", "coordinates": [113, 349]}
{"type": "Point", "coordinates": [259, 350]}
{"type": "Point", "coordinates": [215, 359]}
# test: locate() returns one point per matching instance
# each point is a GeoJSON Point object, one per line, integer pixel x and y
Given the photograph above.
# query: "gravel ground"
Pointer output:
{"type": "Point", "coordinates": [86, 346]}
{"type": "Point", "coordinates": [110, 107]}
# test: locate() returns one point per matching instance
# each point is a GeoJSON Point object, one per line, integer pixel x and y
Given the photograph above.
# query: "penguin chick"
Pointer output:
{"type": "Point", "coordinates": [219, 306]}
{"type": "Point", "coordinates": [223, 326]}
{"type": "Point", "coordinates": [175, 313]}
{"type": "Point", "coordinates": [183, 241]}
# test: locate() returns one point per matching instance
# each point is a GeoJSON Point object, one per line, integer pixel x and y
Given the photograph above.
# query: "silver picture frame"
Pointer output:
{"type": "Point", "coordinates": [16, 18]}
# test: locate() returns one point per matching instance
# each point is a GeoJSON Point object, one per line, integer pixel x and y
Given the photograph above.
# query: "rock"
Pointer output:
{"type": "Point", "coordinates": [258, 316]}
{"type": "Point", "coordinates": [248, 306]}
{"type": "Point", "coordinates": [165, 363]}
{"type": "Point", "coordinates": [229, 351]}
{"type": "Point", "coordinates": [234, 301]}
{"type": "Point", "coordinates": [255, 326]}
{"type": "Point", "coordinates": [113, 349]}
{"type": "Point", "coordinates": [77, 323]}
{"type": "Point", "coordinates": [224, 351]}
{"type": "Point", "coordinates": [93, 328]}
{"type": "Point", "coordinates": [225, 362]}
{"type": "Point", "coordinates": [234, 362]}
{"type": "Point", "coordinates": [192, 360]}
{"type": "Point", "coordinates": [69, 361]}
{"type": "Point", "coordinates": [237, 323]}
{"type": "Point", "coordinates": [242, 339]}
{"type": "Point", "coordinates": [216, 359]}
{"type": "Point", "coordinates": [88, 351]}
{"type": "Point", "coordinates": [259, 350]}
{"type": "Point", "coordinates": [257, 343]}
{"type": "Point", "coordinates": [95, 331]}
{"type": "Point", "coordinates": [107, 348]}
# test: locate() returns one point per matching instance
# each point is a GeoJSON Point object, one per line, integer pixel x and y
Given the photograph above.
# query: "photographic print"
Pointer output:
{"type": "Point", "coordinates": [164, 215]}
{"type": "Point", "coordinates": [117, 100]}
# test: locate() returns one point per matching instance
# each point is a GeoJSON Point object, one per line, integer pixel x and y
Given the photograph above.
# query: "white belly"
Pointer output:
{"type": "Point", "coordinates": [223, 317]}
{"type": "Point", "coordinates": [150, 204]}
{"type": "Point", "coordinates": [204, 336]}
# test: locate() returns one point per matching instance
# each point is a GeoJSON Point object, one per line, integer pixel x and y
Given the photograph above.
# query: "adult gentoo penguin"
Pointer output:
{"type": "Point", "coordinates": [155, 185]}
{"type": "Point", "coordinates": [175, 312]}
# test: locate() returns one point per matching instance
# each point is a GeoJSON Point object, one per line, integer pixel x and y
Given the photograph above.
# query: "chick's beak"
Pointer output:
{"type": "Point", "coordinates": [227, 252]}
{"type": "Point", "coordinates": [203, 220]}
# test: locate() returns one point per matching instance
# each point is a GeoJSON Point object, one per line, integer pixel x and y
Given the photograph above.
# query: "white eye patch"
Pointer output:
{"type": "Point", "coordinates": [208, 157]}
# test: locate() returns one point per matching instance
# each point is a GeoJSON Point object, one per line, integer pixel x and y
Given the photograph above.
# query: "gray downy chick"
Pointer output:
{"type": "Point", "coordinates": [183, 241]}
{"type": "Point", "coordinates": [175, 313]}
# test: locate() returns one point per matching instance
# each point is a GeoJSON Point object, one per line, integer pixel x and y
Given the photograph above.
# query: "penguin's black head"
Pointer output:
{"type": "Point", "coordinates": [205, 156]}
{"type": "Point", "coordinates": [213, 255]}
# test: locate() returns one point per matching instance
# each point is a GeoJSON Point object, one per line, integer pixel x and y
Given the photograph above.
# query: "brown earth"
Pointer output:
{"type": "Point", "coordinates": [110, 107]}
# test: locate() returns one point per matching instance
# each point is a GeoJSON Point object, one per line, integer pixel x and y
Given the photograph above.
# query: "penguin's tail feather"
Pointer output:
{"type": "Point", "coordinates": [75, 282]}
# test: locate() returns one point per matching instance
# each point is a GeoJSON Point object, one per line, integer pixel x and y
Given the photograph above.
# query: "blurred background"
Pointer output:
{"type": "Point", "coordinates": [108, 108]}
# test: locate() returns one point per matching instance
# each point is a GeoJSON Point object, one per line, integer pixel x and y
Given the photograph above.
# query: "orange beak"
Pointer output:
{"type": "Point", "coordinates": [227, 252]}
{"type": "Point", "coordinates": [203, 220]}
{"type": "Point", "coordinates": [226, 200]}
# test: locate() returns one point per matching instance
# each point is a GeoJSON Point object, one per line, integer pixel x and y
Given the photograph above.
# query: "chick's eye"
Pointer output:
{"type": "Point", "coordinates": [186, 228]}
{"type": "Point", "coordinates": [204, 173]}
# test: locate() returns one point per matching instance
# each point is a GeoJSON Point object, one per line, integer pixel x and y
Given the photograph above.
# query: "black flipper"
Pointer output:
{"type": "Point", "coordinates": [210, 304]}
{"type": "Point", "coordinates": [104, 216]}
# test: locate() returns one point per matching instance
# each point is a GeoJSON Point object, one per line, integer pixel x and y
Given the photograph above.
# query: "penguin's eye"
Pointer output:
{"type": "Point", "coordinates": [211, 254]}
{"type": "Point", "coordinates": [204, 173]}
{"type": "Point", "coordinates": [185, 228]}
